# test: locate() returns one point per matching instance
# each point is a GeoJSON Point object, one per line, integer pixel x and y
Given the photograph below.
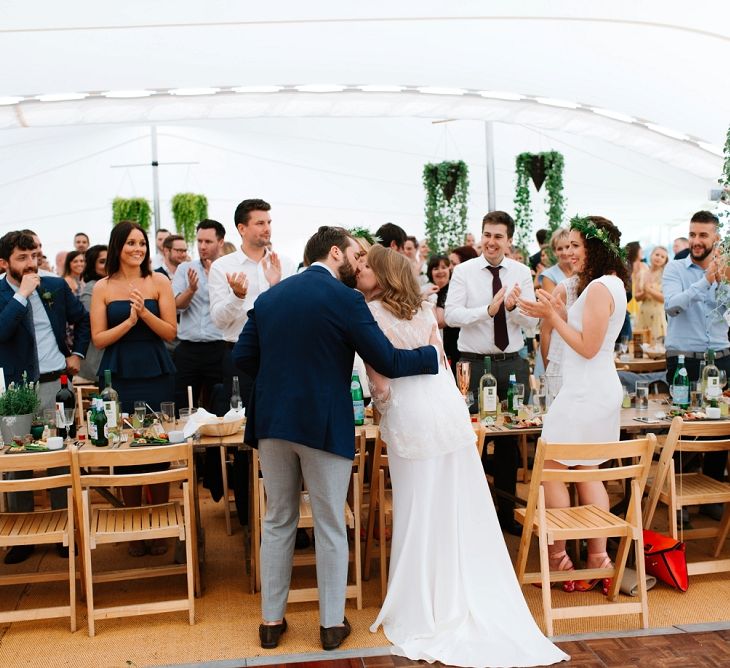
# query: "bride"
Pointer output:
{"type": "Point", "coordinates": [452, 592]}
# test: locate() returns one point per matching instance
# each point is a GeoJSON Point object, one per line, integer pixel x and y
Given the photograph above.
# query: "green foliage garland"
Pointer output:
{"type": "Point", "coordinates": [137, 209]}
{"type": "Point", "coordinates": [447, 190]}
{"type": "Point", "coordinates": [19, 399]}
{"type": "Point", "coordinates": [188, 209]}
{"type": "Point", "coordinates": [554, 164]}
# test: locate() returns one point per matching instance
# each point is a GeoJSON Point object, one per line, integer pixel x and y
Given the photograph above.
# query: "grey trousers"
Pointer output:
{"type": "Point", "coordinates": [22, 502]}
{"type": "Point", "coordinates": [284, 464]}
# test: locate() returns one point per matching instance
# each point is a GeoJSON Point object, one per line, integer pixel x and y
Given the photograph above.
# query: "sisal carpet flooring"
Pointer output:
{"type": "Point", "coordinates": [227, 615]}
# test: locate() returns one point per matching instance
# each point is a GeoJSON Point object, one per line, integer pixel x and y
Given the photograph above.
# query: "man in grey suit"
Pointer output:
{"type": "Point", "coordinates": [299, 344]}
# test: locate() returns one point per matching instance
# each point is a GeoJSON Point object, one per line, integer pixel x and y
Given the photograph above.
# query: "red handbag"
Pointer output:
{"type": "Point", "coordinates": [665, 559]}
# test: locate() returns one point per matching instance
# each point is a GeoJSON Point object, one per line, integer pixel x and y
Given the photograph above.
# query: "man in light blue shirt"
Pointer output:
{"type": "Point", "coordinates": [199, 355]}
{"type": "Point", "coordinates": [695, 320]}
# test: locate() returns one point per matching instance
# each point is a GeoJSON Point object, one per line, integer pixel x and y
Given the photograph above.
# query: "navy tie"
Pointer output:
{"type": "Point", "coordinates": [501, 338]}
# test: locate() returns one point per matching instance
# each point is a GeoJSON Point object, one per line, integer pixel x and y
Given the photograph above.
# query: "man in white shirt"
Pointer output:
{"type": "Point", "coordinates": [234, 282]}
{"type": "Point", "coordinates": [482, 298]}
{"type": "Point", "coordinates": [159, 257]}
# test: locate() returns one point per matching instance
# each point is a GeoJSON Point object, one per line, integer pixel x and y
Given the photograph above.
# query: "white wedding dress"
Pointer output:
{"type": "Point", "coordinates": [588, 406]}
{"type": "Point", "coordinates": [452, 592]}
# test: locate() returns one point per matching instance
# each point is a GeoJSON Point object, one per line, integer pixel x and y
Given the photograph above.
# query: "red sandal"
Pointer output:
{"type": "Point", "coordinates": [588, 585]}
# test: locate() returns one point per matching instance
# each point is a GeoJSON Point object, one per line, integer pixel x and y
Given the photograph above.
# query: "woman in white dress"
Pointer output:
{"type": "Point", "coordinates": [452, 592]}
{"type": "Point", "coordinates": [587, 407]}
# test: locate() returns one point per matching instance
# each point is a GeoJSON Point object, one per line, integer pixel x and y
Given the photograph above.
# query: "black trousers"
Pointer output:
{"type": "Point", "coordinates": [506, 452]}
{"type": "Point", "coordinates": [200, 365]}
{"type": "Point", "coordinates": [713, 464]}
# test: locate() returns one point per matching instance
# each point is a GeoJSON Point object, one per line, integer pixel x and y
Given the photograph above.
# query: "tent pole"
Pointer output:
{"type": "Point", "coordinates": [489, 154]}
{"type": "Point", "coordinates": [155, 179]}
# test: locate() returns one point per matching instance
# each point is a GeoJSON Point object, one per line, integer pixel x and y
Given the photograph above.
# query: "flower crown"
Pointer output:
{"type": "Point", "coordinates": [590, 231]}
{"type": "Point", "coordinates": [364, 233]}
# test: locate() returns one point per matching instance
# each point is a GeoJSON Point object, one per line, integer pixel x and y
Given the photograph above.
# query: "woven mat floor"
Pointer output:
{"type": "Point", "coordinates": [227, 616]}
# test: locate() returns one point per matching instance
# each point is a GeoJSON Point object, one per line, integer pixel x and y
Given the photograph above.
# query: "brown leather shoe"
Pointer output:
{"type": "Point", "coordinates": [269, 634]}
{"type": "Point", "coordinates": [332, 636]}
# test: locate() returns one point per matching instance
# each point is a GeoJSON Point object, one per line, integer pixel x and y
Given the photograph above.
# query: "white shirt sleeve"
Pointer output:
{"type": "Point", "coordinates": [226, 310]}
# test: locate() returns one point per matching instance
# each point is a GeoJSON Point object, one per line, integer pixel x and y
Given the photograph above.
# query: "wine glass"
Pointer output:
{"type": "Point", "coordinates": [140, 411]}
{"type": "Point", "coordinates": [67, 418]}
{"type": "Point", "coordinates": [469, 398]}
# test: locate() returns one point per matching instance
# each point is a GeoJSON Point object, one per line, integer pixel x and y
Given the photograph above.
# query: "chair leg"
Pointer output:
{"type": "Point", "coordinates": [86, 549]}
{"type": "Point", "coordinates": [723, 531]}
{"type": "Point", "coordinates": [370, 533]}
{"type": "Point", "coordinates": [382, 536]}
{"type": "Point", "coordinates": [190, 565]}
{"type": "Point", "coordinates": [356, 507]}
{"type": "Point", "coordinates": [71, 561]}
{"type": "Point", "coordinates": [547, 605]}
{"type": "Point", "coordinates": [224, 476]}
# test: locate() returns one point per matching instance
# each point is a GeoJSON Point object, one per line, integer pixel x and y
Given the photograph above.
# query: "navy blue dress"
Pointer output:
{"type": "Point", "coordinates": [141, 367]}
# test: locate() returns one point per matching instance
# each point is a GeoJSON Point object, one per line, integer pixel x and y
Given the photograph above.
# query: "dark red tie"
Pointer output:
{"type": "Point", "coordinates": [501, 338]}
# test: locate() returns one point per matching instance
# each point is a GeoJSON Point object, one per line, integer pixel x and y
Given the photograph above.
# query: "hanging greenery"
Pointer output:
{"type": "Point", "coordinates": [188, 209]}
{"type": "Point", "coordinates": [136, 209]}
{"type": "Point", "coordinates": [447, 190]}
{"type": "Point", "coordinates": [544, 167]}
{"type": "Point", "coordinates": [722, 295]}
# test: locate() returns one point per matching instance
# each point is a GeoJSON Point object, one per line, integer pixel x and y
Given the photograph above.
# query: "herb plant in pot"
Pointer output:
{"type": "Point", "coordinates": [18, 404]}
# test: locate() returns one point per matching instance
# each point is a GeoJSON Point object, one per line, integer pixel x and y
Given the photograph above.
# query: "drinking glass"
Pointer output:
{"type": "Point", "coordinates": [540, 397]}
{"type": "Point", "coordinates": [167, 410]}
{"type": "Point", "coordinates": [185, 414]}
{"type": "Point", "coordinates": [626, 401]}
{"type": "Point", "coordinates": [624, 344]}
{"type": "Point", "coordinates": [469, 398]}
{"type": "Point", "coordinates": [642, 395]}
{"type": "Point", "coordinates": [140, 410]}
{"type": "Point", "coordinates": [695, 394]}
{"type": "Point", "coordinates": [553, 381]}
{"type": "Point", "coordinates": [463, 376]}
{"type": "Point", "coordinates": [518, 394]}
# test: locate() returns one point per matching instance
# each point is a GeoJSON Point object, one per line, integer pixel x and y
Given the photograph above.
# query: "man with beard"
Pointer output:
{"type": "Point", "coordinates": [694, 323]}
{"type": "Point", "coordinates": [34, 312]}
{"type": "Point", "coordinates": [301, 420]}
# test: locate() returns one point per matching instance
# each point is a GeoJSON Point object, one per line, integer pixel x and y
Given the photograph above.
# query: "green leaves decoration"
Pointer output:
{"type": "Point", "coordinates": [447, 191]}
{"type": "Point", "coordinates": [554, 164]}
{"type": "Point", "coordinates": [188, 209]}
{"type": "Point", "coordinates": [20, 399]}
{"type": "Point", "coordinates": [136, 209]}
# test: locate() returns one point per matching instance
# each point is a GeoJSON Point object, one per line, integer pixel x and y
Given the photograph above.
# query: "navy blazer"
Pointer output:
{"type": "Point", "coordinates": [16, 326]}
{"type": "Point", "coordinates": [299, 344]}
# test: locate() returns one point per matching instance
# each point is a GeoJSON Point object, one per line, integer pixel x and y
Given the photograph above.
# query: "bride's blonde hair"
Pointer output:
{"type": "Point", "coordinates": [399, 290]}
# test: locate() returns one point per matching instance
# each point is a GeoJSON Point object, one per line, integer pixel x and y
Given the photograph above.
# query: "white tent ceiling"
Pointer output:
{"type": "Point", "coordinates": [355, 156]}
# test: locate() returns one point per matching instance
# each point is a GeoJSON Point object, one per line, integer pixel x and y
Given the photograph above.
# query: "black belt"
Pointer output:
{"type": "Point", "coordinates": [51, 376]}
{"type": "Point", "coordinates": [697, 356]}
{"type": "Point", "coordinates": [230, 344]}
{"type": "Point", "coordinates": [496, 357]}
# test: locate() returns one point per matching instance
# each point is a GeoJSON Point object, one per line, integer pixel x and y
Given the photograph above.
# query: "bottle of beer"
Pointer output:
{"type": "Point", "coordinates": [64, 399]}
{"type": "Point", "coordinates": [680, 385]}
{"type": "Point", "coordinates": [488, 398]}
{"type": "Point", "coordinates": [236, 401]}
{"type": "Point", "coordinates": [711, 380]}
{"type": "Point", "coordinates": [110, 401]}
{"type": "Point", "coordinates": [358, 404]}
{"type": "Point", "coordinates": [100, 433]}
{"type": "Point", "coordinates": [512, 400]}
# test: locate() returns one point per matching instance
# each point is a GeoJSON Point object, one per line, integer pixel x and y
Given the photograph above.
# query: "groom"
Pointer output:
{"type": "Point", "coordinates": [299, 343]}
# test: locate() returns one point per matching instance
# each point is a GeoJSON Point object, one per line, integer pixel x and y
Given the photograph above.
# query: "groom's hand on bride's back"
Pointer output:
{"type": "Point", "coordinates": [435, 341]}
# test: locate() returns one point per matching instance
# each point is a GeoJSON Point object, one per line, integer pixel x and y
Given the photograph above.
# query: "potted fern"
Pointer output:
{"type": "Point", "coordinates": [18, 404]}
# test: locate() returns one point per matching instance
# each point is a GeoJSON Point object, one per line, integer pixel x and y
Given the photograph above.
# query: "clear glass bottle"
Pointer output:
{"type": "Point", "coordinates": [711, 380]}
{"type": "Point", "coordinates": [488, 398]}
{"type": "Point", "coordinates": [680, 385]}
{"type": "Point", "coordinates": [236, 401]}
{"type": "Point", "coordinates": [110, 403]}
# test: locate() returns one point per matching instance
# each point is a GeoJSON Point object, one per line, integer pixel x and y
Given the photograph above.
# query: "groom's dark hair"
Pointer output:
{"type": "Point", "coordinates": [319, 244]}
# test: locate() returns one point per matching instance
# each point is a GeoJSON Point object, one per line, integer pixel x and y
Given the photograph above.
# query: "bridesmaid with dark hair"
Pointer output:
{"type": "Point", "coordinates": [132, 315]}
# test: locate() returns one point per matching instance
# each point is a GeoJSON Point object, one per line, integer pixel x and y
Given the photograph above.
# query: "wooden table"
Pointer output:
{"type": "Point", "coordinates": [642, 364]}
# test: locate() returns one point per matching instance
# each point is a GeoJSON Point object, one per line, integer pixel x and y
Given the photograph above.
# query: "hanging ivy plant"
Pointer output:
{"type": "Point", "coordinates": [447, 190]}
{"type": "Point", "coordinates": [539, 167]}
{"type": "Point", "coordinates": [136, 209]}
{"type": "Point", "coordinates": [188, 209]}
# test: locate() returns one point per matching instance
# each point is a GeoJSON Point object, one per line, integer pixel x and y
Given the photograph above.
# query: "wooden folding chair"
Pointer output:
{"type": "Point", "coordinates": [680, 490]}
{"type": "Point", "coordinates": [40, 527]}
{"type": "Point", "coordinates": [101, 525]}
{"type": "Point", "coordinates": [84, 393]}
{"type": "Point", "coordinates": [586, 522]}
{"type": "Point", "coordinates": [381, 506]}
{"type": "Point", "coordinates": [353, 511]}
